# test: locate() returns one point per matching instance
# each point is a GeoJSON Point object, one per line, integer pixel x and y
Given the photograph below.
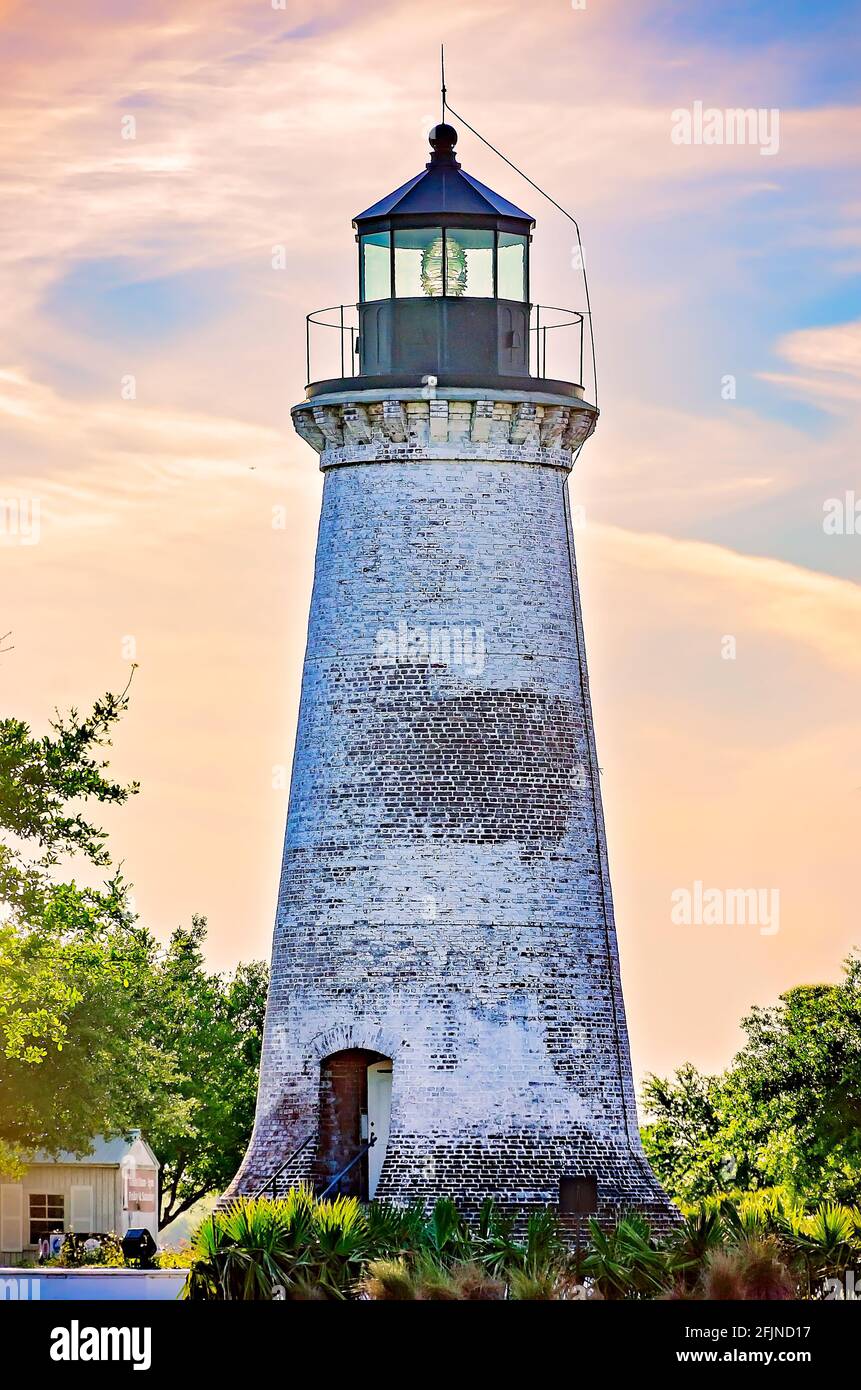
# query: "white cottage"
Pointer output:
{"type": "Point", "coordinates": [112, 1189]}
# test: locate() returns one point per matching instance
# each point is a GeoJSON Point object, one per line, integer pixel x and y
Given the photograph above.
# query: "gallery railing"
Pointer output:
{"type": "Point", "coordinates": [559, 344]}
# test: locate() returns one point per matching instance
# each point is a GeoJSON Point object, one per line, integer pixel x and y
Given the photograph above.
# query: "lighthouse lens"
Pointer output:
{"type": "Point", "coordinates": [418, 262]}
{"type": "Point", "coordinates": [469, 263]}
{"type": "Point", "coordinates": [456, 262]}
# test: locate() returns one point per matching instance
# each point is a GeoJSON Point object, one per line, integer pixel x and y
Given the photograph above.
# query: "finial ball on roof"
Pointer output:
{"type": "Point", "coordinates": [443, 139]}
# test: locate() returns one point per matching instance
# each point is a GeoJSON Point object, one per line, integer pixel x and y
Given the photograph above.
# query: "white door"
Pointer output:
{"type": "Point", "coordinates": [81, 1216]}
{"type": "Point", "coordinates": [12, 1218]}
{"type": "Point", "coordinates": [379, 1114]}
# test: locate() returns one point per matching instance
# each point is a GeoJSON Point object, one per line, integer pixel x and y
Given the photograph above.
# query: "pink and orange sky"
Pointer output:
{"type": "Point", "coordinates": [259, 127]}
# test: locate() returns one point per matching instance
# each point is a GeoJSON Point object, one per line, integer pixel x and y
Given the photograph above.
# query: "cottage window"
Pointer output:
{"type": "Point", "coordinates": [47, 1214]}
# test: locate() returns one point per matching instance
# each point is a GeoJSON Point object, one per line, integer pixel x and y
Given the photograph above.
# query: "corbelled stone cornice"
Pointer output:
{"type": "Point", "coordinates": [369, 428]}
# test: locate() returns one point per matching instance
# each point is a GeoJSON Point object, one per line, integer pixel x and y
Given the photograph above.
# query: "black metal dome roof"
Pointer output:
{"type": "Point", "coordinates": [444, 190]}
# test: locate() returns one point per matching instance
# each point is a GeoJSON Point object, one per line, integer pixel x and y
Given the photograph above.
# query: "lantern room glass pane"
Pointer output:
{"type": "Point", "coordinates": [376, 266]}
{"type": "Point", "coordinates": [469, 263]}
{"type": "Point", "coordinates": [418, 262]}
{"type": "Point", "coordinates": [511, 266]}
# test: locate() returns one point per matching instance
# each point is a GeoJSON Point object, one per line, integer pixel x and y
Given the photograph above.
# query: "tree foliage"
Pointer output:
{"type": "Point", "coordinates": [786, 1113]}
{"type": "Point", "coordinates": [102, 1028]}
{"type": "Point", "coordinates": [211, 1026]}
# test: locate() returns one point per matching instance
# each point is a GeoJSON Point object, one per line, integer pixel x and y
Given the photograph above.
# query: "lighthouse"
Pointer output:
{"type": "Point", "coordinates": [445, 1015]}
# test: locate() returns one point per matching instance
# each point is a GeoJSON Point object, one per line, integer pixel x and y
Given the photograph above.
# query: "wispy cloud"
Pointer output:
{"type": "Point", "coordinates": [827, 363]}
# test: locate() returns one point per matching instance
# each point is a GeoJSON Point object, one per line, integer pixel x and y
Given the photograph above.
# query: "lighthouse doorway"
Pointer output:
{"type": "Point", "coordinates": [355, 1106]}
{"type": "Point", "coordinates": [379, 1116]}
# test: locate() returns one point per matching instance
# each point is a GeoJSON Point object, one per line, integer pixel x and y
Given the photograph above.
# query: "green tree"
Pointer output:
{"type": "Point", "coordinates": [787, 1112]}
{"type": "Point", "coordinates": [68, 954]}
{"type": "Point", "coordinates": [101, 1028]}
{"type": "Point", "coordinates": [681, 1141]}
{"type": "Point", "coordinates": [802, 1067]}
{"type": "Point", "coordinates": [211, 1026]}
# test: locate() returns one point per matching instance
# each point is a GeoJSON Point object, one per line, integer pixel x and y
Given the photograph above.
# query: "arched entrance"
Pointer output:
{"type": "Point", "coordinates": [355, 1104]}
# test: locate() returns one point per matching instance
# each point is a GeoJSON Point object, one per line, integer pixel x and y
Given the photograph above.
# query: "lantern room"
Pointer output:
{"type": "Point", "coordinates": [445, 297]}
{"type": "Point", "coordinates": [443, 277]}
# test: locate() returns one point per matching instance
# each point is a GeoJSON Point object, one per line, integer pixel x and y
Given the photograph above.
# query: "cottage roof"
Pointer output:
{"type": "Point", "coordinates": [105, 1153]}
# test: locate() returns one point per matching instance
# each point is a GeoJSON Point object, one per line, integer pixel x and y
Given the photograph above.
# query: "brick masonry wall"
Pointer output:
{"type": "Point", "coordinates": [445, 897]}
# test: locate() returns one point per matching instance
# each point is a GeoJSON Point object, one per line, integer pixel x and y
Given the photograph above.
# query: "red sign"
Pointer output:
{"type": "Point", "coordinates": [140, 1190]}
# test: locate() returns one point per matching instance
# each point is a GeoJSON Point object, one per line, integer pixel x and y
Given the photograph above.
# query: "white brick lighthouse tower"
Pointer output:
{"type": "Point", "coordinates": [445, 1014]}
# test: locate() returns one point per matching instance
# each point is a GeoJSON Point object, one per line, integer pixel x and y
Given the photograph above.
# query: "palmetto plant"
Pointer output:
{"type": "Point", "coordinates": [445, 1234]}
{"type": "Point", "coordinates": [823, 1244]}
{"type": "Point", "coordinates": [495, 1243]}
{"type": "Point", "coordinates": [341, 1244]}
{"type": "Point", "coordinates": [259, 1246]}
{"type": "Point", "coordinates": [625, 1262]}
{"type": "Point", "coordinates": [542, 1254]}
{"type": "Point", "coordinates": [392, 1228]}
{"type": "Point", "coordinates": [700, 1235]}
{"type": "Point", "coordinates": [747, 1220]}
{"type": "Point", "coordinates": [761, 1245]}
{"type": "Point", "coordinates": [442, 1234]}
{"type": "Point", "coordinates": [545, 1246]}
{"type": "Point", "coordinates": [242, 1252]}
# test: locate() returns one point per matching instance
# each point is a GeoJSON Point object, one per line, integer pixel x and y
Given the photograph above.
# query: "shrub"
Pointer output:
{"type": "Point", "coordinates": [428, 1280]}
{"type": "Point", "coordinates": [174, 1259]}
{"type": "Point", "coordinates": [539, 1284]}
{"type": "Point", "coordinates": [752, 1270]}
{"type": "Point", "coordinates": [259, 1247]}
{"type": "Point", "coordinates": [389, 1280]}
{"type": "Point", "coordinates": [79, 1252]}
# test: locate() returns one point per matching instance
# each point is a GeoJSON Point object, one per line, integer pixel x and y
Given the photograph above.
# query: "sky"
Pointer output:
{"type": "Point", "coordinates": [178, 183]}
